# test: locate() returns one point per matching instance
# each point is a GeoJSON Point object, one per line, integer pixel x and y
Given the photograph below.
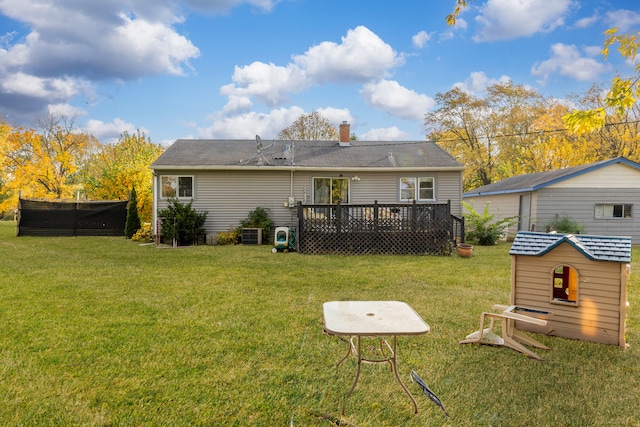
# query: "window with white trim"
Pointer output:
{"type": "Point", "coordinates": [612, 211]}
{"type": "Point", "coordinates": [176, 186]}
{"type": "Point", "coordinates": [421, 189]}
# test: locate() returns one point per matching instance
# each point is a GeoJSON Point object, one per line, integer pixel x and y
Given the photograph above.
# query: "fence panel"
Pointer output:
{"type": "Point", "coordinates": [58, 218]}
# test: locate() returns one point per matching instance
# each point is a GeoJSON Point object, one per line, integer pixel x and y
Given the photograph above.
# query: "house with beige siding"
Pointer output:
{"type": "Point", "coordinates": [230, 178]}
{"type": "Point", "coordinates": [602, 197]}
{"type": "Point", "coordinates": [580, 279]}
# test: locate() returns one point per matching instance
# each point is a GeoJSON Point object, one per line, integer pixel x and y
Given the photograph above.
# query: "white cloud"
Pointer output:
{"type": "Point", "coordinates": [624, 20]}
{"type": "Point", "coordinates": [362, 56]}
{"type": "Point", "coordinates": [478, 81]}
{"type": "Point", "coordinates": [36, 87]}
{"type": "Point", "coordinates": [69, 43]}
{"type": "Point", "coordinates": [336, 115]}
{"type": "Point", "coordinates": [384, 134]}
{"type": "Point", "coordinates": [66, 110]}
{"type": "Point", "coordinates": [586, 22]}
{"type": "Point", "coordinates": [566, 60]}
{"type": "Point", "coordinates": [509, 19]}
{"type": "Point", "coordinates": [267, 125]}
{"type": "Point", "coordinates": [396, 100]}
{"type": "Point", "coordinates": [111, 132]}
{"type": "Point", "coordinates": [219, 6]}
{"type": "Point", "coordinates": [268, 83]}
{"type": "Point", "coordinates": [247, 125]}
{"type": "Point", "coordinates": [421, 39]}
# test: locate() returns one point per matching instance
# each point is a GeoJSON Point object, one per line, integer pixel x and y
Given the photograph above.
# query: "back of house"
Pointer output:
{"type": "Point", "coordinates": [230, 178]}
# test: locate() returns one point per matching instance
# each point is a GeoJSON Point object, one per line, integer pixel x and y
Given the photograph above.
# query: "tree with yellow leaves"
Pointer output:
{"type": "Point", "coordinates": [115, 169]}
{"type": "Point", "coordinates": [552, 147]}
{"type": "Point", "coordinates": [623, 93]}
{"type": "Point", "coordinates": [43, 163]}
{"type": "Point", "coordinates": [487, 134]}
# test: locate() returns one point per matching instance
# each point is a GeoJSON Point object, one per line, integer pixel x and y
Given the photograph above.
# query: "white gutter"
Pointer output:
{"type": "Point", "coordinates": [307, 168]}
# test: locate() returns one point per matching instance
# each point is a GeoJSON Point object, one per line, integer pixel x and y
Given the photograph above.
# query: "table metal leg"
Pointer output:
{"type": "Point", "coordinates": [392, 360]}
{"type": "Point", "coordinates": [358, 352]}
{"type": "Point", "coordinates": [394, 367]}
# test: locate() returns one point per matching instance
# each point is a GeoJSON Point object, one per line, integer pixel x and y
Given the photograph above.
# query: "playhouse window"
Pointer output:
{"type": "Point", "coordinates": [609, 211]}
{"type": "Point", "coordinates": [177, 186]}
{"type": "Point", "coordinates": [564, 285]}
{"type": "Point", "coordinates": [422, 189]}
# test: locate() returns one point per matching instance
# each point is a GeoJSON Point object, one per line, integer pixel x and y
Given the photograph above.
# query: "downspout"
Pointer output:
{"type": "Point", "coordinates": [154, 204]}
{"type": "Point", "coordinates": [291, 186]}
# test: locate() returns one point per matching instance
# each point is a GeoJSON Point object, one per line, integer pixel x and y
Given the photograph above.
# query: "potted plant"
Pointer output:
{"type": "Point", "coordinates": [464, 250]}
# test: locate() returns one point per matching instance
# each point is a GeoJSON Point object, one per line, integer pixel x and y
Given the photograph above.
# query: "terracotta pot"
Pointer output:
{"type": "Point", "coordinates": [464, 250]}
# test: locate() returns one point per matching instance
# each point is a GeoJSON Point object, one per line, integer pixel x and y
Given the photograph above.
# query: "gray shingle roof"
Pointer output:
{"type": "Point", "coordinates": [597, 248]}
{"type": "Point", "coordinates": [215, 154]}
{"type": "Point", "coordinates": [535, 181]}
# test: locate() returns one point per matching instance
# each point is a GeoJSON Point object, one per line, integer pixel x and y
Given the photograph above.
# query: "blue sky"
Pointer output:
{"type": "Point", "coordinates": [240, 68]}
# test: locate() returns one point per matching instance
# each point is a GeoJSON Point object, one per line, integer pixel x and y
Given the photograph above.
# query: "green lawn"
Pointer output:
{"type": "Point", "coordinates": [106, 332]}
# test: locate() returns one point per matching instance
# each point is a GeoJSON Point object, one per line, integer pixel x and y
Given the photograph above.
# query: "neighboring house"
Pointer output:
{"type": "Point", "coordinates": [230, 178]}
{"type": "Point", "coordinates": [603, 197]}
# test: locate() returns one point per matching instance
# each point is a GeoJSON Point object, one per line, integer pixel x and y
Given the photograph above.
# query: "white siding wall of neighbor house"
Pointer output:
{"type": "Point", "coordinates": [500, 205]}
{"type": "Point", "coordinates": [617, 175]}
{"type": "Point", "coordinates": [229, 196]}
{"type": "Point", "coordinates": [579, 205]}
{"type": "Point", "coordinates": [576, 198]}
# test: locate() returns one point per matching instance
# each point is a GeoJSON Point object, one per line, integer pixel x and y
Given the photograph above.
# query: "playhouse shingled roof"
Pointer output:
{"type": "Point", "coordinates": [597, 248]}
{"type": "Point", "coordinates": [210, 154]}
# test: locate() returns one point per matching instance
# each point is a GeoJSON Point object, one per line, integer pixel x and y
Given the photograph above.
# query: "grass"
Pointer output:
{"type": "Point", "coordinates": [105, 332]}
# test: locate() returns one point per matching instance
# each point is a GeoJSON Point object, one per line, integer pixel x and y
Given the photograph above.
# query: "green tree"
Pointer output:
{"type": "Point", "coordinates": [310, 127]}
{"type": "Point", "coordinates": [258, 218]}
{"type": "Point", "coordinates": [482, 228]}
{"type": "Point", "coordinates": [182, 222]}
{"type": "Point", "coordinates": [132, 224]}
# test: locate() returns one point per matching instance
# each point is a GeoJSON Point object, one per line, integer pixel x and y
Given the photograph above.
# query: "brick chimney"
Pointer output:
{"type": "Point", "coordinates": [345, 134]}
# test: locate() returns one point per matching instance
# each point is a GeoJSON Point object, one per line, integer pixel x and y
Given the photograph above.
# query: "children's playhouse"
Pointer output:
{"type": "Point", "coordinates": [580, 279]}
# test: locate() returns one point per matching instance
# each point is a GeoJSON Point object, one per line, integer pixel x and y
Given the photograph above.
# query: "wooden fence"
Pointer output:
{"type": "Point", "coordinates": [378, 229]}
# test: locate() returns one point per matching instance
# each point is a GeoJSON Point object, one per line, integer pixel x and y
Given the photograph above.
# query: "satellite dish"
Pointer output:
{"type": "Point", "coordinates": [259, 142]}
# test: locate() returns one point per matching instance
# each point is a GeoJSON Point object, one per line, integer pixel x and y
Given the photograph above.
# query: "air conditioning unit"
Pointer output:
{"type": "Point", "coordinates": [252, 236]}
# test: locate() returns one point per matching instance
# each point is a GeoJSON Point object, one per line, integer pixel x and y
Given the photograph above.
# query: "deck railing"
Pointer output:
{"type": "Point", "coordinates": [397, 228]}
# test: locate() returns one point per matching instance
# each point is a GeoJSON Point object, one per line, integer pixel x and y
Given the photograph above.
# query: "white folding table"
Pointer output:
{"type": "Point", "coordinates": [354, 320]}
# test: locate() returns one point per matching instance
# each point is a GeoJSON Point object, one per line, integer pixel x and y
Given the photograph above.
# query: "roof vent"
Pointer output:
{"type": "Point", "coordinates": [392, 159]}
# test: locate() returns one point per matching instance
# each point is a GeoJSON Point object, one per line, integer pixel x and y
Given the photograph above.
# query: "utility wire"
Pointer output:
{"type": "Point", "coordinates": [538, 132]}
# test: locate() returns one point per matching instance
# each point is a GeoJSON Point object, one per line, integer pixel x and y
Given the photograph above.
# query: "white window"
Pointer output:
{"type": "Point", "coordinates": [611, 211]}
{"type": "Point", "coordinates": [417, 188]}
{"type": "Point", "coordinates": [176, 186]}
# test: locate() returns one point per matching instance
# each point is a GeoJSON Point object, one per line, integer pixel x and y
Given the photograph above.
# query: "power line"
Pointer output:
{"type": "Point", "coordinates": [539, 132]}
